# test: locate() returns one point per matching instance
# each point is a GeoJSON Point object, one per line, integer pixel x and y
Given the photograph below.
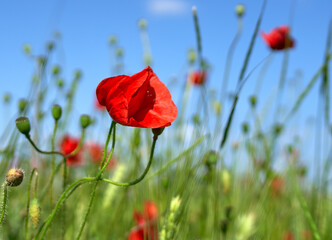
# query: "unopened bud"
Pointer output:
{"type": "Point", "coordinates": [27, 49]}
{"type": "Point", "coordinates": [22, 104]}
{"type": "Point", "coordinates": [245, 127]}
{"type": "Point", "coordinates": [41, 60]}
{"type": "Point", "coordinates": [85, 120]}
{"type": "Point", "coordinates": [50, 46]}
{"type": "Point", "coordinates": [23, 125]}
{"type": "Point", "coordinates": [253, 101]}
{"type": "Point", "coordinates": [142, 23]}
{"type": "Point", "coordinates": [60, 82]}
{"type": "Point", "coordinates": [56, 70]}
{"type": "Point", "coordinates": [6, 97]}
{"type": "Point", "coordinates": [34, 212]}
{"type": "Point", "coordinates": [192, 56]}
{"type": "Point", "coordinates": [78, 74]}
{"type": "Point", "coordinates": [119, 52]}
{"type": "Point", "coordinates": [56, 112]}
{"type": "Point", "coordinates": [239, 10]}
{"type": "Point", "coordinates": [14, 177]}
{"type": "Point", "coordinates": [113, 40]}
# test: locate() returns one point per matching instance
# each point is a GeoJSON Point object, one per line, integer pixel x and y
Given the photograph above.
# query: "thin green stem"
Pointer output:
{"type": "Point", "coordinates": [64, 196]}
{"type": "Point", "coordinates": [28, 204]}
{"type": "Point", "coordinates": [53, 160]}
{"type": "Point", "coordinates": [4, 202]}
{"type": "Point", "coordinates": [127, 184]}
{"type": "Point", "coordinates": [41, 151]}
{"type": "Point", "coordinates": [107, 142]}
{"type": "Point", "coordinates": [93, 194]}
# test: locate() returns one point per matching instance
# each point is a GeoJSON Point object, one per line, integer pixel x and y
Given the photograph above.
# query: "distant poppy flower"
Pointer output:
{"type": "Point", "coordinates": [96, 152]}
{"type": "Point", "coordinates": [288, 236]}
{"type": "Point", "coordinates": [198, 77]}
{"type": "Point", "coordinates": [140, 100]}
{"type": "Point", "coordinates": [279, 38]}
{"type": "Point", "coordinates": [68, 145]}
{"type": "Point", "coordinates": [146, 228]}
{"type": "Point", "coordinates": [277, 185]}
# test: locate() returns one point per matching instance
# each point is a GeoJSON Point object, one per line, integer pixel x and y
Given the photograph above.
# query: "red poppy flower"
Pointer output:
{"type": "Point", "coordinates": [96, 152]}
{"type": "Point", "coordinates": [279, 38]}
{"type": "Point", "coordinates": [68, 145]}
{"type": "Point", "coordinates": [288, 236]}
{"type": "Point", "coordinates": [141, 100]}
{"type": "Point", "coordinates": [277, 185]}
{"type": "Point", "coordinates": [146, 228]}
{"type": "Point", "coordinates": [198, 77]}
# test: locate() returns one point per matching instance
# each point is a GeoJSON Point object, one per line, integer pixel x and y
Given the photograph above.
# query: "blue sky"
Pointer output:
{"type": "Point", "coordinates": [86, 26]}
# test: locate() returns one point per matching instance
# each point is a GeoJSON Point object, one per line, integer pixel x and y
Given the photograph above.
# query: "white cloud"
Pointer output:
{"type": "Point", "coordinates": [168, 7]}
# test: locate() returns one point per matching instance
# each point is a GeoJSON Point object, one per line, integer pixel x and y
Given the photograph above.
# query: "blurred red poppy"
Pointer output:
{"type": "Point", "coordinates": [277, 185]}
{"type": "Point", "coordinates": [141, 100]}
{"type": "Point", "coordinates": [146, 228]}
{"type": "Point", "coordinates": [279, 38]}
{"type": "Point", "coordinates": [96, 152]}
{"type": "Point", "coordinates": [198, 77]}
{"type": "Point", "coordinates": [288, 236]}
{"type": "Point", "coordinates": [68, 145]}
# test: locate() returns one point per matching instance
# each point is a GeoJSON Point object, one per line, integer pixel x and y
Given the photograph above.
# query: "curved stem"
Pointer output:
{"type": "Point", "coordinates": [28, 204]}
{"type": "Point", "coordinates": [93, 194]}
{"type": "Point", "coordinates": [143, 174]}
{"type": "Point", "coordinates": [41, 151]}
{"type": "Point", "coordinates": [5, 196]}
{"type": "Point", "coordinates": [107, 142]}
{"type": "Point", "coordinates": [69, 190]}
{"type": "Point", "coordinates": [53, 161]}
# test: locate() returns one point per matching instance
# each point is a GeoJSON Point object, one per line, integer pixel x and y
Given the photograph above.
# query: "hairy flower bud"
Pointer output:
{"type": "Point", "coordinates": [34, 212]}
{"type": "Point", "coordinates": [239, 10]}
{"type": "Point", "coordinates": [56, 112]}
{"type": "Point", "coordinates": [14, 177]}
{"type": "Point", "coordinates": [22, 105]}
{"type": "Point", "coordinates": [23, 125]}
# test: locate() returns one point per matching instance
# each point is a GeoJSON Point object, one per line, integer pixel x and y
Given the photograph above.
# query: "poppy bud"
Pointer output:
{"type": "Point", "coordinates": [50, 46]}
{"type": "Point", "coordinates": [56, 70]}
{"type": "Point", "coordinates": [278, 129]}
{"type": "Point", "coordinates": [78, 74]}
{"type": "Point", "coordinates": [119, 52]}
{"type": "Point", "coordinates": [245, 127]}
{"type": "Point", "coordinates": [23, 125]}
{"type": "Point", "coordinates": [6, 97]}
{"type": "Point", "coordinates": [60, 82]}
{"type": "Point", "coordinates": [34, 212]}
{"type": "Point", "coordinates": [142, 23]}
{"type": "Point", "coordinates": [192, 56]}
{"type": "Point", "coordinates": [113, 40]}
{"type": "Point", "coordinates": [253, 101]}
{"type": "Point", "coordinates": [239, 10]}
{"type": "Point", "coordinates": [14, 177]}
{"type": "Point", "coordinates": [27, 49]}
{"type": "Point", "coordinates": [41, 60]}
{"type": "Point", "coordinates": [147, 58]}
{"type": "Point", "coordinates": [56, 112]}
{"type": "Point", "coordinates": [22, 104]}
{"type": "Point", "coordinates": [157, 131]}
{"type": "Point", "coordinates": [85, 120]}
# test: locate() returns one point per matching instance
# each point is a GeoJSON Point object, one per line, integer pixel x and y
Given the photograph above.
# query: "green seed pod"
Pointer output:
{"type": "Point", "coordinates": [119, 52]}
{"type": "Point", "coordinates": [41, 60]}
{"type": "Point", "coordinates": [142, 23]}
{"type": "Point", "coordinates": [56, 112]}
{"type": "Point", "coordinates": [27, 49]}
{"type": "Point", "coordinates": [22, 105]}
{"type": "Point", "coordinates": [192, 56]}
{"type": "Point", "coordinates": [253, 101]}
{"type": "Point", "coordinates": [34, 212]}
{"type": "Point", "coordinates": [60, 82]}
{"type": "Point", "coordinates": [6, 98]}
{"type": "Point", "coordinates": [85, 120]}
{"type": "Point", "coordinates": [14, 177]}
{"type": "Point", "coordinates": [239, 10]}
{"type": "Point", "coordinates": [112, 40]}
{"type": "Point", "coordinates": [23, 125]}
{"type": "Point", "coordinates": [50, 46]}
{"type": "Point", "coordinates": [78, 74]}
{"type": "Point", "coordinates": [245, 127]}
{"type": "Point", "coordinates": [56, 70]}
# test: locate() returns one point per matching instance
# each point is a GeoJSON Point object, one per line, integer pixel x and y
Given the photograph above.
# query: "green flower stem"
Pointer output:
{"type": "Point", "coordinates": [41, 151]}
{"type": "Point", "coordinates": [64, 196]}
{"type": "Point", "coordinates": [50, 182]}
{"type": "Point", "coordinates": [93, 193]}
{"type": "Point", "coordinates": [127, 184]}
{"type": "Point", "coordinates": [4, 202]}
{"type": "Point", "coordinates": [53, 161]}
{"type": "Point", "coordinates": [28, 204]}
